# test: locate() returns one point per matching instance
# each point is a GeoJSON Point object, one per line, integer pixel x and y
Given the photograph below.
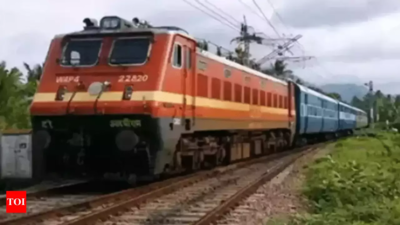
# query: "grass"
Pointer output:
{"type": "Point", "coordinates": [358, 184]}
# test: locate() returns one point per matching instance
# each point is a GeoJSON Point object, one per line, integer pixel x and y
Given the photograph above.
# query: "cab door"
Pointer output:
{"type": "Point", "coordinates": [189, 85]}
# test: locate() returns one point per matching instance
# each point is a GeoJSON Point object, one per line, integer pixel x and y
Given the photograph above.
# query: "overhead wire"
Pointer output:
{"type": "Point", "coordinates": [236, 29]}
{"type": "Point", "coordinates": [266, 18]}
{"type": "Point", "coordinates": [217, 14]}
{"type": "Point", "coordinates": [298, 42]}
{"type": "Point", "coordinates": [251, 9]}
{"type": "Point", "coordinates": [223, 12]}
{"type": "Point", "coordinates": [282, 22]}
{"type": "Point", "coordinates": [225, 21]}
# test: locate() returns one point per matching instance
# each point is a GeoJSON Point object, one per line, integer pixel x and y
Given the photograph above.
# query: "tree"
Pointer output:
{"type": "Point", "coordinates": [356, 102]}
{"type": "Point", "coordinates": [33, 77]}
{"type": "Point", "coordinates": [34, 73]}
{"type": "Point", "coordinates": [15, 95]}
{"type": "Point", "coordinates": [279, 69]}
{"type": "Point", "coordinates": [335, 95]}
{"type": "Point", "coordinates": [13, 104]}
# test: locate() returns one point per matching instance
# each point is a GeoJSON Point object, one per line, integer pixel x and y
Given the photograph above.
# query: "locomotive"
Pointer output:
{"type": "Point", "coordinates": [126, 99]}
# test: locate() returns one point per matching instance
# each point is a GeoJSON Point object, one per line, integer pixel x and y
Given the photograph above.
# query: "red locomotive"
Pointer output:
{"type": "Point", "coordinates": [130, 99]}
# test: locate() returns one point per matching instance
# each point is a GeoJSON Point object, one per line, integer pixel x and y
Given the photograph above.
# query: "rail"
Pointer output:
{"type": "Point", "coordinates": [230, 203]}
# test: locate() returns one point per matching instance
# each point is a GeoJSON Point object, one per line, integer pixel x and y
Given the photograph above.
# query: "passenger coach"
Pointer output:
{"type": "Point", "coordinates": [318, 115]}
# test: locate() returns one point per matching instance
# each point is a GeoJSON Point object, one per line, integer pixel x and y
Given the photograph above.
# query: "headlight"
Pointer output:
{"type": "Point", "coordinates": [128, 93]}
{"type": "Point", "coordinates": [61, 93]}
{"type": "Point", "coordinates": [126, 140]}
{"type": "Point", "coordinates": [110, 22]}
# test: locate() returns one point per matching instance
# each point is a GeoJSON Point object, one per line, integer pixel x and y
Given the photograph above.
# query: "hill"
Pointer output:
{"type": "Point", "coordinates": [347, 91]}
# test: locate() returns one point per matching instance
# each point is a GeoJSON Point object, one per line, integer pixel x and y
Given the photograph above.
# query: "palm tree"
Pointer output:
{"type": "Point", "coordinates": [278, 69]}
{"type": "Point", "coordinates": [34, 73]}
{"type": "Point", "coordinates": [33, 77]}
{"type": "Point", "coordinates": [13, 107]}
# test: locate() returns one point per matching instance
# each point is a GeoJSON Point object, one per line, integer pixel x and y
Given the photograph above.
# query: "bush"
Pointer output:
{"type": "Point", "coordinates": [358, 184]}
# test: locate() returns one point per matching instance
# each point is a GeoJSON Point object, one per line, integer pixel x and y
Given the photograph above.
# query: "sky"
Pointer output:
{"type": "Point", "coordinates": [351, 41]}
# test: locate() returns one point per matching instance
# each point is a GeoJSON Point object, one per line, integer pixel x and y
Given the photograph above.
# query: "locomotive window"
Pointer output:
{"type": "Point", "coordinates": [255, 97]}
{"type": "Point", "coordinates": [81, 52]}
{"type": "Point", "coordinates": [215, 88]}
{"type": "Point", "coordinates": [238, 93]}
{"type": "Point", "coordinates": [262, 98]}
{"type": "Point", "coordinates": [202, 85]}
{"type": "Point", "coordinates": [177, 61]}
{"type": "Point", "coordinates": [269, 99]}
{"type": "Point", "coordinates": [129, 51]}
{"type": "Point", "coordinates": [188, 58]}
{"type": "Point", "coordinates": [286, 103]}
{"type": "Point", "coordinates": [227, 91]}
{"type": "Point", "coordinates": [247, 95]}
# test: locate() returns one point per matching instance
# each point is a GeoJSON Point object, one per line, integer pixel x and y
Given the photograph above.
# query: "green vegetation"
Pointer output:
{"type": "Point", "coordinates": [16, 92]}
{"type": "Point", "coordinates": [358, 184]}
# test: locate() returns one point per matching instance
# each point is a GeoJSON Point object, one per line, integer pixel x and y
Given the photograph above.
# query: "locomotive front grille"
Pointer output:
{"type": "Point", "coordinates": [77, 147]}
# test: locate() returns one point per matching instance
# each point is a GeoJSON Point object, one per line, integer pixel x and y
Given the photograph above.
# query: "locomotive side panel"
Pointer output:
{"type": "Point", "coordinates": [208, 97]}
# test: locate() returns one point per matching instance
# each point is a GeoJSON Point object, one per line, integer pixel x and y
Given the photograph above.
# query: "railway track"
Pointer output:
{"type": "Point", "coordinates": [202, 203]}
{"type": "Point", "coordinates": [43, 196]}
{"type": "Point", "coordinates": [53, 195]}
{"type": "Point", "coordinates": [43, 208]}
{"type": "Point", "coordinates": [196, 198]}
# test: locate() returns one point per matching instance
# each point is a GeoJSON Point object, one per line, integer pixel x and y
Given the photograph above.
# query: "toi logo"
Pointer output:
{"type": "Point", "coordinates": [16, 202]}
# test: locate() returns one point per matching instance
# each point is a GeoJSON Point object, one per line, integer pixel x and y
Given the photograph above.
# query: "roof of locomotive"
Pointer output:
{"type": "Point", "coordinates": [167, 30]}
{"type": "Point", "coordinates": [238, 66]}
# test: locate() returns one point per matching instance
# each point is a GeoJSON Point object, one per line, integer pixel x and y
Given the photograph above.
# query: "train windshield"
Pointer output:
{"type": "Point", "coordinates": [130, 51]}
{"type": "Point", "coordinates": [81, 52]}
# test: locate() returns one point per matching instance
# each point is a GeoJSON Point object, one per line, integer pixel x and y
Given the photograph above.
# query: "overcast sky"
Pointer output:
{"type": "Point", "coordinates": [352, 40]}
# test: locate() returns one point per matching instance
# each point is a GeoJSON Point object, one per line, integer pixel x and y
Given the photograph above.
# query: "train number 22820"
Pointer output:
{"type": "Point", "coordinates": [133, 78]}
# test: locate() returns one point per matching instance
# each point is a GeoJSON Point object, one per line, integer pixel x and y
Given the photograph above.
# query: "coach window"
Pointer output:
{"type": "Point", "coordinates": [177, 61]}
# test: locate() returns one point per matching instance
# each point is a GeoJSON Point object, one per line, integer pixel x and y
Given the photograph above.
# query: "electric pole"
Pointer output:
{"type": "Point", "coordinates": [370, 86]}
{"type": "Point", "coordinates": [282, 45]}
{"type": "Point", "coordinates": [244, 32]}
{"type": "Point", "coordinates": [246, 38]}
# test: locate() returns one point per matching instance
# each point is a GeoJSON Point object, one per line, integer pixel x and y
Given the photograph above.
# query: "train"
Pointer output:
{"type": "Point", "coordinates": [126, 100]}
